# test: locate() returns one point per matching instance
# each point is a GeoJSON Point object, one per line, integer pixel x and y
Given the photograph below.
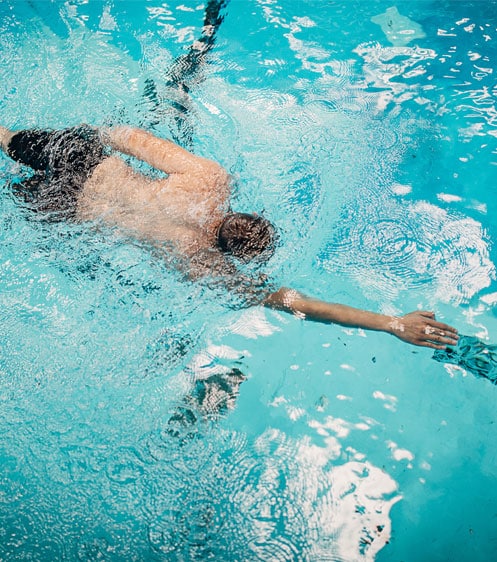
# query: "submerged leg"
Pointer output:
{"type": "Point", "coordinates": [186, 72]}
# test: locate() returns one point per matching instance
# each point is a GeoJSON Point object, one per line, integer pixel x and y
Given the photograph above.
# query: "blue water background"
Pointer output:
{"type": "Point", "coordinates": [377, 160]}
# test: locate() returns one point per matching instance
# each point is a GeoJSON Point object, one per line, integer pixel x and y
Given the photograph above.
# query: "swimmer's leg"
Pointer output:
{"type": "Point", "coordinates": [186, 70]}
{"type": "Point", "coordinates": [185, 73]}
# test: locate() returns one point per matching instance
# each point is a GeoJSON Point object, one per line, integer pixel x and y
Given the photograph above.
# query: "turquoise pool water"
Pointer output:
{"type": "Point", "coordinates": [367, 132]}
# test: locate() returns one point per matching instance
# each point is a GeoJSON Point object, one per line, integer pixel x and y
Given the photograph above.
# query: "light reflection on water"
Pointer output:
{"type": "Point", "coordinates": [345, 141]}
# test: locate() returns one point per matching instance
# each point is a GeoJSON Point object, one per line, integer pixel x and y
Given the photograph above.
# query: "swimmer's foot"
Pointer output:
{"type": "Point", "coordinates": [473, 355]}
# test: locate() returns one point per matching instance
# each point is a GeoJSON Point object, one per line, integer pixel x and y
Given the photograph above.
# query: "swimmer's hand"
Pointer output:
{"type": "Point", "coordinates": [421, 328]}
{"type": "Point", "coordinates": [417, 328]}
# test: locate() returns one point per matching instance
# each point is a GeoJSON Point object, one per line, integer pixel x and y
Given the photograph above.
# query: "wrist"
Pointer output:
{"type": "Point", "coordinates": [394, 325]}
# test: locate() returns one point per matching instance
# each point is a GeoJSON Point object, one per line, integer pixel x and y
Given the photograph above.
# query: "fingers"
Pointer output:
{"type": "Point", "coordinates": [439, 333]}
{"type": "Point", "coordinates": [443, 340]}
{"type": "Point", "coordinates": [440, 336]}
{"type": "Point", "coordinates": [433, 333]}
{"type": "Point", "coordinates": [421, 328]}
{"type": "Point", "coordinates": [444, 327]}
{"type": "Point", "coordinates": [439, 325]}
{"type": "Point", "coordinates": [443, 333]}
{"type": "Point", "coordinates": [437, 341]}
{"type": "Point", "coordinates": [427, 313]}
{"type": "Point", "coordinates": [432, 345]}
{"type": "Point", "coordinates": [440, 340]}
{"type": "Point", "coordinates": [450, 339]}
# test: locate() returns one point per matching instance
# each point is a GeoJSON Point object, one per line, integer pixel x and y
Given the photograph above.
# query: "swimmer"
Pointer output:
{"type": "Point", "coordinates": [80, 175]}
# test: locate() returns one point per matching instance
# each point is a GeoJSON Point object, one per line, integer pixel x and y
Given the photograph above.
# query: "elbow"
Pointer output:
{"type": "Point", "coordinates": [213, 176]}
{"type": "Point", "coordinates": [214, 171]}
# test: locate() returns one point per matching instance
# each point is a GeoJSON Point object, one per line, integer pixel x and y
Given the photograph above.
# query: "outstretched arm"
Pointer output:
{"type": "Point", "coordinates": [418, 328]}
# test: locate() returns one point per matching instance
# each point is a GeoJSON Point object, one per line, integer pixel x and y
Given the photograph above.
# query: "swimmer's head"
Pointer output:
{"type": "Point", "coordinates": [246, 236]}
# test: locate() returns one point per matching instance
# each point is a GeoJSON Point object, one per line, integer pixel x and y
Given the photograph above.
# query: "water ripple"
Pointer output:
{"type": "Point", "coordinates": [125, 467]}
{"type": "Point", "coordinates": [407, 246]}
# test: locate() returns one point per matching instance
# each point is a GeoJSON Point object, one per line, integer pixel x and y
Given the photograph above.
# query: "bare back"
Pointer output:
{"type": "Point", "coordinates": [184, 209]}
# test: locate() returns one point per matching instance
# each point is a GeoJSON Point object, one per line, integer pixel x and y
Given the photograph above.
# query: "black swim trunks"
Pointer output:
{"type": "Point", "coordinates": [62, 161]}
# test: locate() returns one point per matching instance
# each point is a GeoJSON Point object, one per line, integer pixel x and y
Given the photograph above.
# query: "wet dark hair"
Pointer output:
{"type": "Point", "coordinates": [246, 236]}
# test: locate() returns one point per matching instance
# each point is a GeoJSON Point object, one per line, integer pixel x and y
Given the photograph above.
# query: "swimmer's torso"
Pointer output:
{"type": "Point", "coordinates": [183, 209]}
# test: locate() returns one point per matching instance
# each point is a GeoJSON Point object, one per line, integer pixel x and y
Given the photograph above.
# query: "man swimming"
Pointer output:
{"type": "Point", "coordinates": [80, 175]}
